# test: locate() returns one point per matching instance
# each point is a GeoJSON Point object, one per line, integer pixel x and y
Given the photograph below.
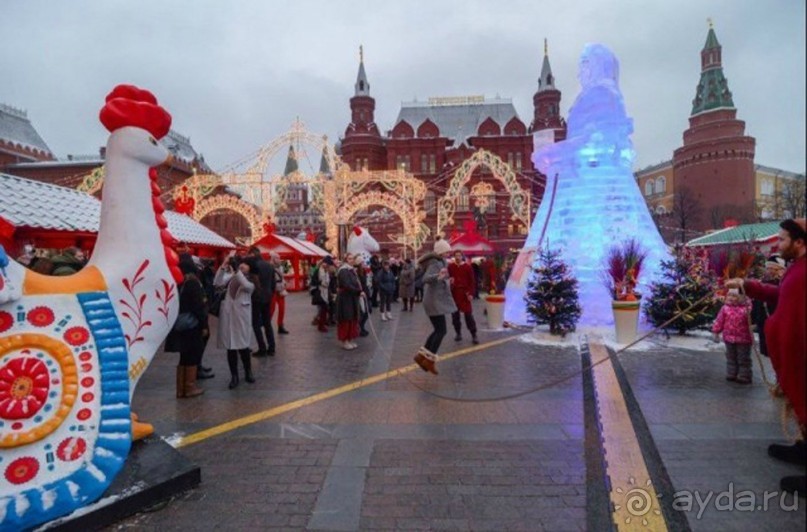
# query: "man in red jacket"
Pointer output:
{"type": "Point", "coordinates": [463, 283]}
{"type": "Point", "coordinates": [785, 335]}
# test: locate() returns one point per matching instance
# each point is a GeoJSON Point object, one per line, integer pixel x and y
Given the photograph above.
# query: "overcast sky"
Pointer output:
{"type": "Point", "coordinates": [234, 74]}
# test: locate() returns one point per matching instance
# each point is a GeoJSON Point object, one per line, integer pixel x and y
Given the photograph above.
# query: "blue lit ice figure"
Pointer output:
{"type": "Point", "coordinates": [591, 200]}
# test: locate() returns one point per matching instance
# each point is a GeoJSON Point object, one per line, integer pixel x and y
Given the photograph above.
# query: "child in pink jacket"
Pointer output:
{"type": "Point", "coordinates": [732, 321]}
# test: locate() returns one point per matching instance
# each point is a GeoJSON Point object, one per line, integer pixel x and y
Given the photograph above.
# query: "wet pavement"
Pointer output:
{"type": "Point", "coordinates": [315, 445]}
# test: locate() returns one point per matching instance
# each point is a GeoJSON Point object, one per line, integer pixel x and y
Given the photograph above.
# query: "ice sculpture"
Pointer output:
{"type": "Point", "coordinates": [591, 200]}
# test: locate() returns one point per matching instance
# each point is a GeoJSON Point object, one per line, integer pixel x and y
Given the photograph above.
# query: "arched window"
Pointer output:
{"type": "Point", "coordinates": [428, 202]}
{"type": "Point", "coordinates": [463, 200]}
{"type": "Point", "coordinates": [661, 185]}
{"type": "Point", "coordinates": [648, 187]}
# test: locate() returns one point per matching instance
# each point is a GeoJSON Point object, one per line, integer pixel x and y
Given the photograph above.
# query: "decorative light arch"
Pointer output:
{"type": "Point", "coordinates": [253, 178]}
{"type": "Point", "coordinates": [230, 203]}
{"type": "Point", "coordinates": [401, 192]}
{"type": "Point", "coordinates": [93, 181]}
{"type": "Point", "coordinates": [519, 198]}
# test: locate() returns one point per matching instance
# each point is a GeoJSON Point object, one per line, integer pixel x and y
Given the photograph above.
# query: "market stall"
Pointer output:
{"type": "Point", "coordinates": [299, 254]}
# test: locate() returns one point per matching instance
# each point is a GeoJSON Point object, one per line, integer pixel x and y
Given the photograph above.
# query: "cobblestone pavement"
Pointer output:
{"type": "Point", "coordinates": [390, 456]}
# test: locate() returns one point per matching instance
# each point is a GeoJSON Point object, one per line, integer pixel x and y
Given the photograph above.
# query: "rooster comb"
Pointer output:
{"type": "Point", "coordinates": [128, 105]}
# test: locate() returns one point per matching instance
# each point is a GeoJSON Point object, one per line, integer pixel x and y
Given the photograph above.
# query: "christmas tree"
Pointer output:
{"type": "Point", "coordinates": [552, 294]}
{"type": "Point", "coordinates": [686, 279]}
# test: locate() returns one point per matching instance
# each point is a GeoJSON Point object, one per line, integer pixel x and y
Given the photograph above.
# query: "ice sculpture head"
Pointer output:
{"type": "Point", "coordinates": [597, 65]}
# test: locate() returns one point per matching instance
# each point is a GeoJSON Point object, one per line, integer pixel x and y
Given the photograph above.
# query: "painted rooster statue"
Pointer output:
{"type": "Point", "coordinates": [73, 348]}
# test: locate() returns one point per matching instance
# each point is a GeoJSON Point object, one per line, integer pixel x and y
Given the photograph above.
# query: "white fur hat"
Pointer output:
{"type": "Point", "coordinates": [441, 246]}
{"type": "Point", "coordinates": [733, 292]}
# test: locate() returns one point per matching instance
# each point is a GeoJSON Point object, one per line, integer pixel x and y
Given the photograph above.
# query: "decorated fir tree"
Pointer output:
{"type": "Point", "coordinates": [686, 279]}
{"type": "Point", "coordinates": [552, 294]}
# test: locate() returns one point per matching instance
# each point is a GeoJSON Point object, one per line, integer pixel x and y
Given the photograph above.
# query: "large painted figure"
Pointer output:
{"type": "Point", "coordinates": [73, 348]}
{"type": "Point", "coordinates": [591, 200]}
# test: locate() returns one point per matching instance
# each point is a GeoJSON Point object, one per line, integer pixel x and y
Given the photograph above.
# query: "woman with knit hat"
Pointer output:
{"type": "Point", "coordinates": [437, 301]}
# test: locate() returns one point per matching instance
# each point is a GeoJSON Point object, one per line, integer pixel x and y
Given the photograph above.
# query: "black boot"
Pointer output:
{"type": "Point", "coordinates": [202, 373]}
{"type": "Point", "coordinates": [458, 337]}
{"type": "Point", "coordinates": [247, 366]}
{"type": "Point", "coordinates": [474, 339]}
{"type": "Point", "coordinates": [793, 454]}
{"type": "Point", "coordinates": [232, 361]}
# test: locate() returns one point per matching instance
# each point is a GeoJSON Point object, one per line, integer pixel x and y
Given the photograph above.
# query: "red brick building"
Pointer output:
{"type": "Point", "coordinates": [716, 162]}
{"type": "Point", "coordinates": [431, 140]}
{"type": "Point", "coordinates": [24, 153]}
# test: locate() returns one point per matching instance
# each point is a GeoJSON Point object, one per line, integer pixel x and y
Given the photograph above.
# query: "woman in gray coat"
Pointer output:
{"type": "Point", "coordinates": [406, 289]}
{"type": "Point", "coordinates": [235, 317]}
{"type": "Point", "coordinates": [437, 302]}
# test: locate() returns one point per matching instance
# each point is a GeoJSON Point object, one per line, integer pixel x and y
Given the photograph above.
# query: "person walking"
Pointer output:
{"type": "Point", "coordinates": [462, 290]}
{"type": "Point", "coordinates": [419, 271]}
{"type": "Point", "coordinates": [279, 294]}
{"type": "Point", "coordinates": [406, 281]}
{"type": "Point", "coordinates": [347, 303]}
{"type": "Point", "coordinates": [732, 321]}
{"type": "Point", "coordinates": [320, 293]}
{"type": "Point", "coordinates": [266, 276]}
{"type": "Point", "coordinates": [386, 289]}
{"type": "Point", "coordinates": [364, 298]}
{"type": "Point", "coordinates": [190, 332]}
{"type": "Point", "coordinates": [235, 317]}
{"type": "Point", "coordinates": [786, 338]}
{"type": "Point", "coordinates": [437, 302]}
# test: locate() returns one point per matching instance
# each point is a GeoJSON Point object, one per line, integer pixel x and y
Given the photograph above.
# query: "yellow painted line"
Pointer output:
{"type": "Point", "coordinates": [634, 499]}
{"type": "Point", "coordinates": [229, 426]}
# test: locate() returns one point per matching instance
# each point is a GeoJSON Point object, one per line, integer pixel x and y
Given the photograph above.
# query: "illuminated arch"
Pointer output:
{"type": "Point", "coordinates": [401, 192]}
{"type": "Point", "coordinates": [230, 203]}
{"type": "Point", "coordinates": [519, 198]}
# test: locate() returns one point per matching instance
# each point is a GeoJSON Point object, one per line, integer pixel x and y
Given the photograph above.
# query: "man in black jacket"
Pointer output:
{"type": "Point", "coordinates": [266, 277]}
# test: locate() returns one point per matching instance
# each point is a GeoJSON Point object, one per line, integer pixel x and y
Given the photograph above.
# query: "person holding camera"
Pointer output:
{"type": "Point", "coordinates": [235, 317]}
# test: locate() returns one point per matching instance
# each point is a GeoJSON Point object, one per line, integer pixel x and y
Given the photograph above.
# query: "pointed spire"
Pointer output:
{"type": "Point", "coordinates": [547, 81]}
{"type": "Point", "coordinates": [711, 37]}
{"type": "Point", "coordinates": [713, 89]}
{"type": "Point", "coordinates": [324, 166]}
{"type": "Point", "coordinates": [291, 162]}
{"type": "Point", "coordinates": [362, 85]}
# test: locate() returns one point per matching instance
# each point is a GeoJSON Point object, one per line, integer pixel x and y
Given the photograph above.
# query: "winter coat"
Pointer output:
{"type": "Point", "coordinates": [437, 299]}
{"type": "Point", "coordinates": [235, 316]}
{"type": "Point", "coordinates": [732, 321]}
{"type": "Point", "coordinates": [386, 281]}
{"type": "Point", "coordinates": [266, 276]}
{"type": "Point", "coordinates": [419, 271]}
{"type": "Point", "coordinates": [347, 299]}
{"type": "Point", "coordinates": [65, 264]}
{"type": "Point", "coordinates": [191, 299]}
{"type": "Point", "coordinates": [463, 284]}
{"type": "Point", "coordinates": [785, 332]}
{"type": "Point", "coordinates": [407, 282]}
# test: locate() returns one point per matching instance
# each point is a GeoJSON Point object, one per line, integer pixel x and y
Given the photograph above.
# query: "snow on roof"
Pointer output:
{"type": "Point", "coordinates": [28, 203]}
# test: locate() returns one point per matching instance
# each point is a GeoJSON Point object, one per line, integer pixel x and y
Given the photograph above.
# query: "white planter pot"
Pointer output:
{"type": "Point", "coordinates": [626, 320]}
{"type": "Point", "coordinates": [495, 307]}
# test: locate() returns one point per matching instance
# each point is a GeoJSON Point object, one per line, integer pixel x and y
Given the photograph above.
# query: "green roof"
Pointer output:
{"type": "Point", "coordinates": [741, 233]}
{"type": "Point", "coordinates": [713, 92]}
{"type": "Point", "coordinates": [291, 162]}
{"type": "Point", "coordinates": [711, 40]}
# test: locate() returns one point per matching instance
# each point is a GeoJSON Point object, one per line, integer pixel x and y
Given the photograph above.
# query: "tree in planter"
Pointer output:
{"type": "Point", "coordinates": [686, 278]}
{"type": "Point", "coordinates": [552, 294]}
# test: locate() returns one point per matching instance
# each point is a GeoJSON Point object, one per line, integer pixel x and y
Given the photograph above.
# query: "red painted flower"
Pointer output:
{"type": "Point", "coordinates": [24, 385]}
{"type": "Point", "coordinates": [22, 470]}
{"type": "Point", "coordinates": [76, 336]}
{"type": "Point", "coordinates": [6, 321]}
{"type": "Point", "coordinates": [71, 449]}
{"type": "Point", "coordinates": [40, 316]}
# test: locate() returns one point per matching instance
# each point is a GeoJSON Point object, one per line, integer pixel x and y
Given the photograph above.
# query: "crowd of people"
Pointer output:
{"type": "Point", "coordinates": [245, 293]}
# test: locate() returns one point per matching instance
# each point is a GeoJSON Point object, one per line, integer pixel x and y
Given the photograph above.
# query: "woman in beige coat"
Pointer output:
{"type": "Point", "coordinates": [235, 317]}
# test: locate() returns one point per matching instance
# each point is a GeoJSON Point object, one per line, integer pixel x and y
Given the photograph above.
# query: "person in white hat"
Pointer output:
{"type": "Point", "coordinates": [437, 302]}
